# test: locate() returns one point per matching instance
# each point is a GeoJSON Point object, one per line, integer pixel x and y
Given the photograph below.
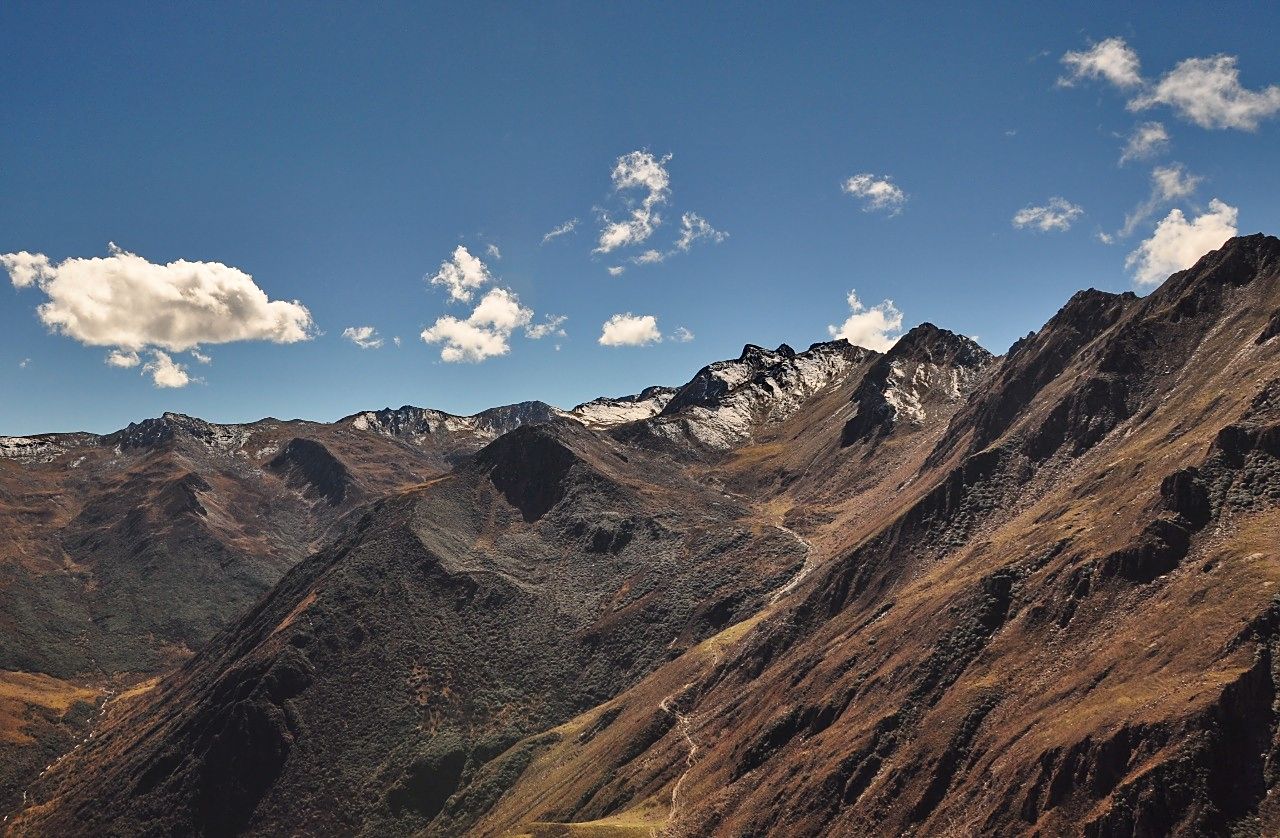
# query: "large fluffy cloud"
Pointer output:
{"type": "Point", "coordinates": [484, 334]}
{"type": "Point", "coordinates": [461, 274]}
{"type": "Point", "coordinates": [877, 327]}
{"type": "Point", "coordinates": [1177, 243]}
{"type": "Point", "coordinates": [1206, 91]}
{"type": "Point", "coordinates": [1057, 214]}
{"type": "Point", "coordinates": [630, 330]}
{"type": "Point", "coordinates": [637, 170]}
{"type": "Point", "coordinates": [124, 301]}
{"type": "Point", "coordinates": [878, 192]}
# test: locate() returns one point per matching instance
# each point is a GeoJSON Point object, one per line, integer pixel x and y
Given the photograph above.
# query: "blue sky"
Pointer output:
{"type": "Point", "coordinates": [338, 157]}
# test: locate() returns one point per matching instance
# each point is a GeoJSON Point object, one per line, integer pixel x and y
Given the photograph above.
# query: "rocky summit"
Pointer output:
{"type": "Point", "coordinates": [926, 591]}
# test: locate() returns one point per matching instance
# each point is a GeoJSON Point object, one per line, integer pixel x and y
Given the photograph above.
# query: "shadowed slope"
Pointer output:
{"type": "Point", "coordinates": [444, 627]}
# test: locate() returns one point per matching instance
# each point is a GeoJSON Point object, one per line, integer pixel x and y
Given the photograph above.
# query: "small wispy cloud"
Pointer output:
{"type": "Point", "coordinates": [877, 192]}
{"type": "Point", "coordinates": [365, 337]}
{"type": "Point", "coordinates": [1112, 60]}
{"type": "Point", "coordinates": [1057, 215]}
{"type": "Point", "coordinates": [695, 228]}
{"type": "Point", "coordinates": [122, 359]}
{"type": "Point", "coordinates": [1147, 140]}
{"type": "Point", "coordinates": [552, 325]}
{"type": "Point", "coordinates": [1168, 184]}
{"type": "Point", "coordinates": [563, 230]}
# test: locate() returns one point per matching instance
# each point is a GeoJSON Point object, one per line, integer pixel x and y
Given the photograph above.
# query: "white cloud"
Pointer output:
{"type": "Point", "coordinates": [461, 273]}
{"type": "Point", "coordinates": [124, 301]}
{"type": "Point", "coordinates": [1173, 182]}
{"type": "Point", "coordinates": [1208, 92]}
{"type": "Point", "coordinates": [201, 357]}
{"type": "Point", "coordinates": [500, 309]}
{"type": "Point", "coordinates": [396, 341]}
{"type": "Point", "coordinates": [552, 325]}
{"type": "Point", "coordinates": [165, 372]}
{"type": "Point", "coordinates": [694, 227]}
{"type": "Point", "coordinates": [682, 335]}
{"type": "Point", "coordinates": [25, 269]}
{"type": "Point", "coordinates": [493, 251]}
{"type": "Point", "coordinates": [1177, 243]}
{"type": "Point", "coordinates": [636, 170]}
{"type": "Point", "coordinates": [365, 337]}
{"type": "Point", "coordinates": [1168, 183]}
{"type": "Point", "coordinates": [1057, 214]}
{"type": "Point", "coordinates": [1112, 59]}
{"type": "Point", "coordinates": [616, 270]}
{"type": "Point", "coordinates": [1147, 140]}
{"type": "Point", "coordinates": [877, 327]}
{"type": "Point", "coordinates": [121, 358]}
{"type": "Point", "coordinates": [563, 230]}
{"type": "Point", "coordinates": [630, 330]}
{"type": "Point", "coordinates": [485, 333]}
{"type": "Point", "coordinates": [877, 192]}
{"type": "Point", "coordinates": [24, 363]}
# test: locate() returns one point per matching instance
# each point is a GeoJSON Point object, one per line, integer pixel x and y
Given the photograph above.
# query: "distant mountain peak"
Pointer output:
{"type": "Point", "coordinates": [928, 343]}
{"type": "Point", "coordinates": [926, 366]}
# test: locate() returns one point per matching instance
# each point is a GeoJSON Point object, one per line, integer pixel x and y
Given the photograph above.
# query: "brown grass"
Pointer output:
{"type": "Point", "coordinates": [20, 692]}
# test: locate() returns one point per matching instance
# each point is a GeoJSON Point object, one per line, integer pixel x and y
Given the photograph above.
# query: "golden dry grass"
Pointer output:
{"type": "Point", "coordinates": [22, 691]}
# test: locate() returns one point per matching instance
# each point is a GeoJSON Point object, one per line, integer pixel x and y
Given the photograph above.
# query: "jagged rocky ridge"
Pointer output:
{"type": "Point", "coordinates": [1029, 595]}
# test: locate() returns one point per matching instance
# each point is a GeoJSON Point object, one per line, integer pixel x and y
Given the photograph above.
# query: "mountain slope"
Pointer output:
{"type": "Point", "coordinates": [441, 629]}
{"type": "Point", "coordinates": [830, 592]}
{"type": "Point", "coordinates": [1069, 630]}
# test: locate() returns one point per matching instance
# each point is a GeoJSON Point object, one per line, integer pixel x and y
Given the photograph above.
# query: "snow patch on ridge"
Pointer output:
{"type": "Point", "coordinates": [726, 401]}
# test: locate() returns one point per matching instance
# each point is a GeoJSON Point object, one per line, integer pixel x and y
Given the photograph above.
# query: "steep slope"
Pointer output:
{"type": "Point", "coordinates": [1065, 624]}
{"type": "Point", "coordinates": [442, 628]}
{"type": "Point", "coordinates": [121, 554]}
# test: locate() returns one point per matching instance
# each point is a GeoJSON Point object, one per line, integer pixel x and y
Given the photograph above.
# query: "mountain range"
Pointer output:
{"type": "Point", "coordinates": [928, 591]}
